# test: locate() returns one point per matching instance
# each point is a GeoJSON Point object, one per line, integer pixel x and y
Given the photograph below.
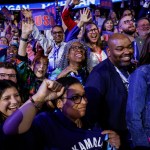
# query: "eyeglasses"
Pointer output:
{"type": "Point", "coordinates": [76, 98]}
{"type": "Point", "coordinates": [91, 30]}
{"type": "Point", "coordinates": [75, 48]}
{"type": "Point", "coordinates": [128, 21]}
{"type": "Point", "coordinates": [59, 32]}
{"type": "Point", "coordinates": [3, 75]}
{"type": "Point", "coordinates": [144, 26]}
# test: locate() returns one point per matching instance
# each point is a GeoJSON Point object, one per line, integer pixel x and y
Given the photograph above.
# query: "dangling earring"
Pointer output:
{"type": "Point", "coordinates": [59, 104]}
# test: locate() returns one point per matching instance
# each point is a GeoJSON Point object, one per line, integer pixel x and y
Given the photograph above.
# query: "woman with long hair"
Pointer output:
{"type": "Point", "coordinates": [74, 62]}
{"type": "Point", "coordinates": [10, 99]}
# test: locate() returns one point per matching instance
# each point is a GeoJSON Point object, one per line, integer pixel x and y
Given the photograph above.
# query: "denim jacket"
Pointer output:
{"type": "Point", "coordinates": [138, 106]}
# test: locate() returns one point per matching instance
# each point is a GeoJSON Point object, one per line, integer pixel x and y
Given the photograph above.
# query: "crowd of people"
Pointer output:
{"type": "Point", "coordinates": [84, 84]}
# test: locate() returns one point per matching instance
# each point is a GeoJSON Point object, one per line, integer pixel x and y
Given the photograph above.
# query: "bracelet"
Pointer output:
{"type": "Point", "coordinates": [22, 39]}
{"type": "Point", "coordinates": [35, 105]}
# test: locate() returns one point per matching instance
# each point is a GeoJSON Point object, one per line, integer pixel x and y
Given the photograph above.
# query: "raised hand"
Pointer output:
{"type": "Point", "coordinates": [27, 27]}
{"type": "Point", "coordinates": [85, 15]}
{"type": "Point", "coordinates": [49, 90]}
{"type": "Point", "coordinates": [66, 71]}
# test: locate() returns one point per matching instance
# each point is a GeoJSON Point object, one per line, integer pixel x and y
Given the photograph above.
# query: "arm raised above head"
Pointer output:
{"type": "Point", "coordinates": [27, 28]}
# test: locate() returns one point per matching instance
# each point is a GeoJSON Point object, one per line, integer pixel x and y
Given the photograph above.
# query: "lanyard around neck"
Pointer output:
{"type": "Point", "coordinates": [123, 77]}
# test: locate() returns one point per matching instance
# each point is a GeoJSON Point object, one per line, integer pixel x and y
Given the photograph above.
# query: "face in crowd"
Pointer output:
{"type": "Point", "coordinates": [127, 13]}
{"type": "Point", "coordinates": [58, 34]}
{"type": "Point", "coordinates": [4, 41]}
{"type": "Point", "coordinates": [108, 25]}
{"type": "Point", "coordinates": [73, 102]}
{"type": "Point", "coordinates": [97, 13]}
{"type": "Point", "coordinates": [92, 33]}
{"type": "Point", "coordinates": [127, 25]}
{"type": "Point", "coordinates": [8, 74]}
{"type": "Point", "coordinates": [113, 15]}
{"type": "Point", "coordinates": [11, 53]}
{"type": "Point", "coordinates": [76, 53]}
{"type": "Point", "coordinates": [143, 27]}
{"type": "Point", "coordinates": [120, 50]}
{"type": "Point", "coordinates": [40, 67]}
{"type": "Point", "coordinates": [10, 99]}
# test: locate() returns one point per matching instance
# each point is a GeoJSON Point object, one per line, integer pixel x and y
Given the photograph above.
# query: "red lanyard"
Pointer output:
{"type": "Point", "coordinates": [99, 55]}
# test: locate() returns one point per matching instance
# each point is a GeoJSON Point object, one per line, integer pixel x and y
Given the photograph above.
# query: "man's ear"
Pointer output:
{"type": "Point", "coordinates": [108, 51]}
{"type": "Point", "coordinates": [120, 30]}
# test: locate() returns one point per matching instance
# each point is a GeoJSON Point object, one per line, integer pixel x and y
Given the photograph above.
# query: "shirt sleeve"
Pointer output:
{"type": "Point", "coordinates": [45, 43]}
{"type": "Point", "coordinates": [135, 106]}
{"type": "Point", "coordinates": [69, 22]}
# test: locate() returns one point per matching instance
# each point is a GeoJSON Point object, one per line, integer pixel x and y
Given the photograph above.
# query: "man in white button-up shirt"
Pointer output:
{"type": "Point", "coordinates": [53, 48]}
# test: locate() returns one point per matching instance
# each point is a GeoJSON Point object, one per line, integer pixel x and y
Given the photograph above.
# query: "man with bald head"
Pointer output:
{"type": "Point", "coordinates": [107, 86]}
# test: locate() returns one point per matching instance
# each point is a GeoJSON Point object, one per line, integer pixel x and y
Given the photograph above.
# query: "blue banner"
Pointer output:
{"type": "Point", "coordinates": [84, 3]}
{"type": "Point", "coordinates": [42, 20]}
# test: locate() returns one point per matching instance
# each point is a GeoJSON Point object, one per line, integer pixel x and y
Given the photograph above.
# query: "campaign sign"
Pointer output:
{"type": "Point", "coordinates": [42, 20]}
{"type": "Point", "coordinates": [84, 3]}
{"type": "Point", "coordinates": [51, 10]}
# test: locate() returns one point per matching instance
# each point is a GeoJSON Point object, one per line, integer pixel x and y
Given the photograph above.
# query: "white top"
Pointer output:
{"type": "Point", "coordinates": [57, 50]}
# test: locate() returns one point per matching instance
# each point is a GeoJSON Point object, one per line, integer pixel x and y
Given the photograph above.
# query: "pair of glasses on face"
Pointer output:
{"type": "Point", "coordinates": [59, 32]}
{"type": "Point", "coordinates": [144, 26]}
{"type": "Point", "coordinates": [92, 30]}
{"type": "Point", "coordinates": [3, 75]}
{"type": "Point", "coordinates": [76, 98]}
{"type": "Point", "coordinates": [128, 21]}
{"type": "Point", "coordinates": [75, 48]}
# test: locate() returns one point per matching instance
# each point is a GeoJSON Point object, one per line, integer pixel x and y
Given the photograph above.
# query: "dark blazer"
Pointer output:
{"type": "Point", "coordinates": [107, 97]}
